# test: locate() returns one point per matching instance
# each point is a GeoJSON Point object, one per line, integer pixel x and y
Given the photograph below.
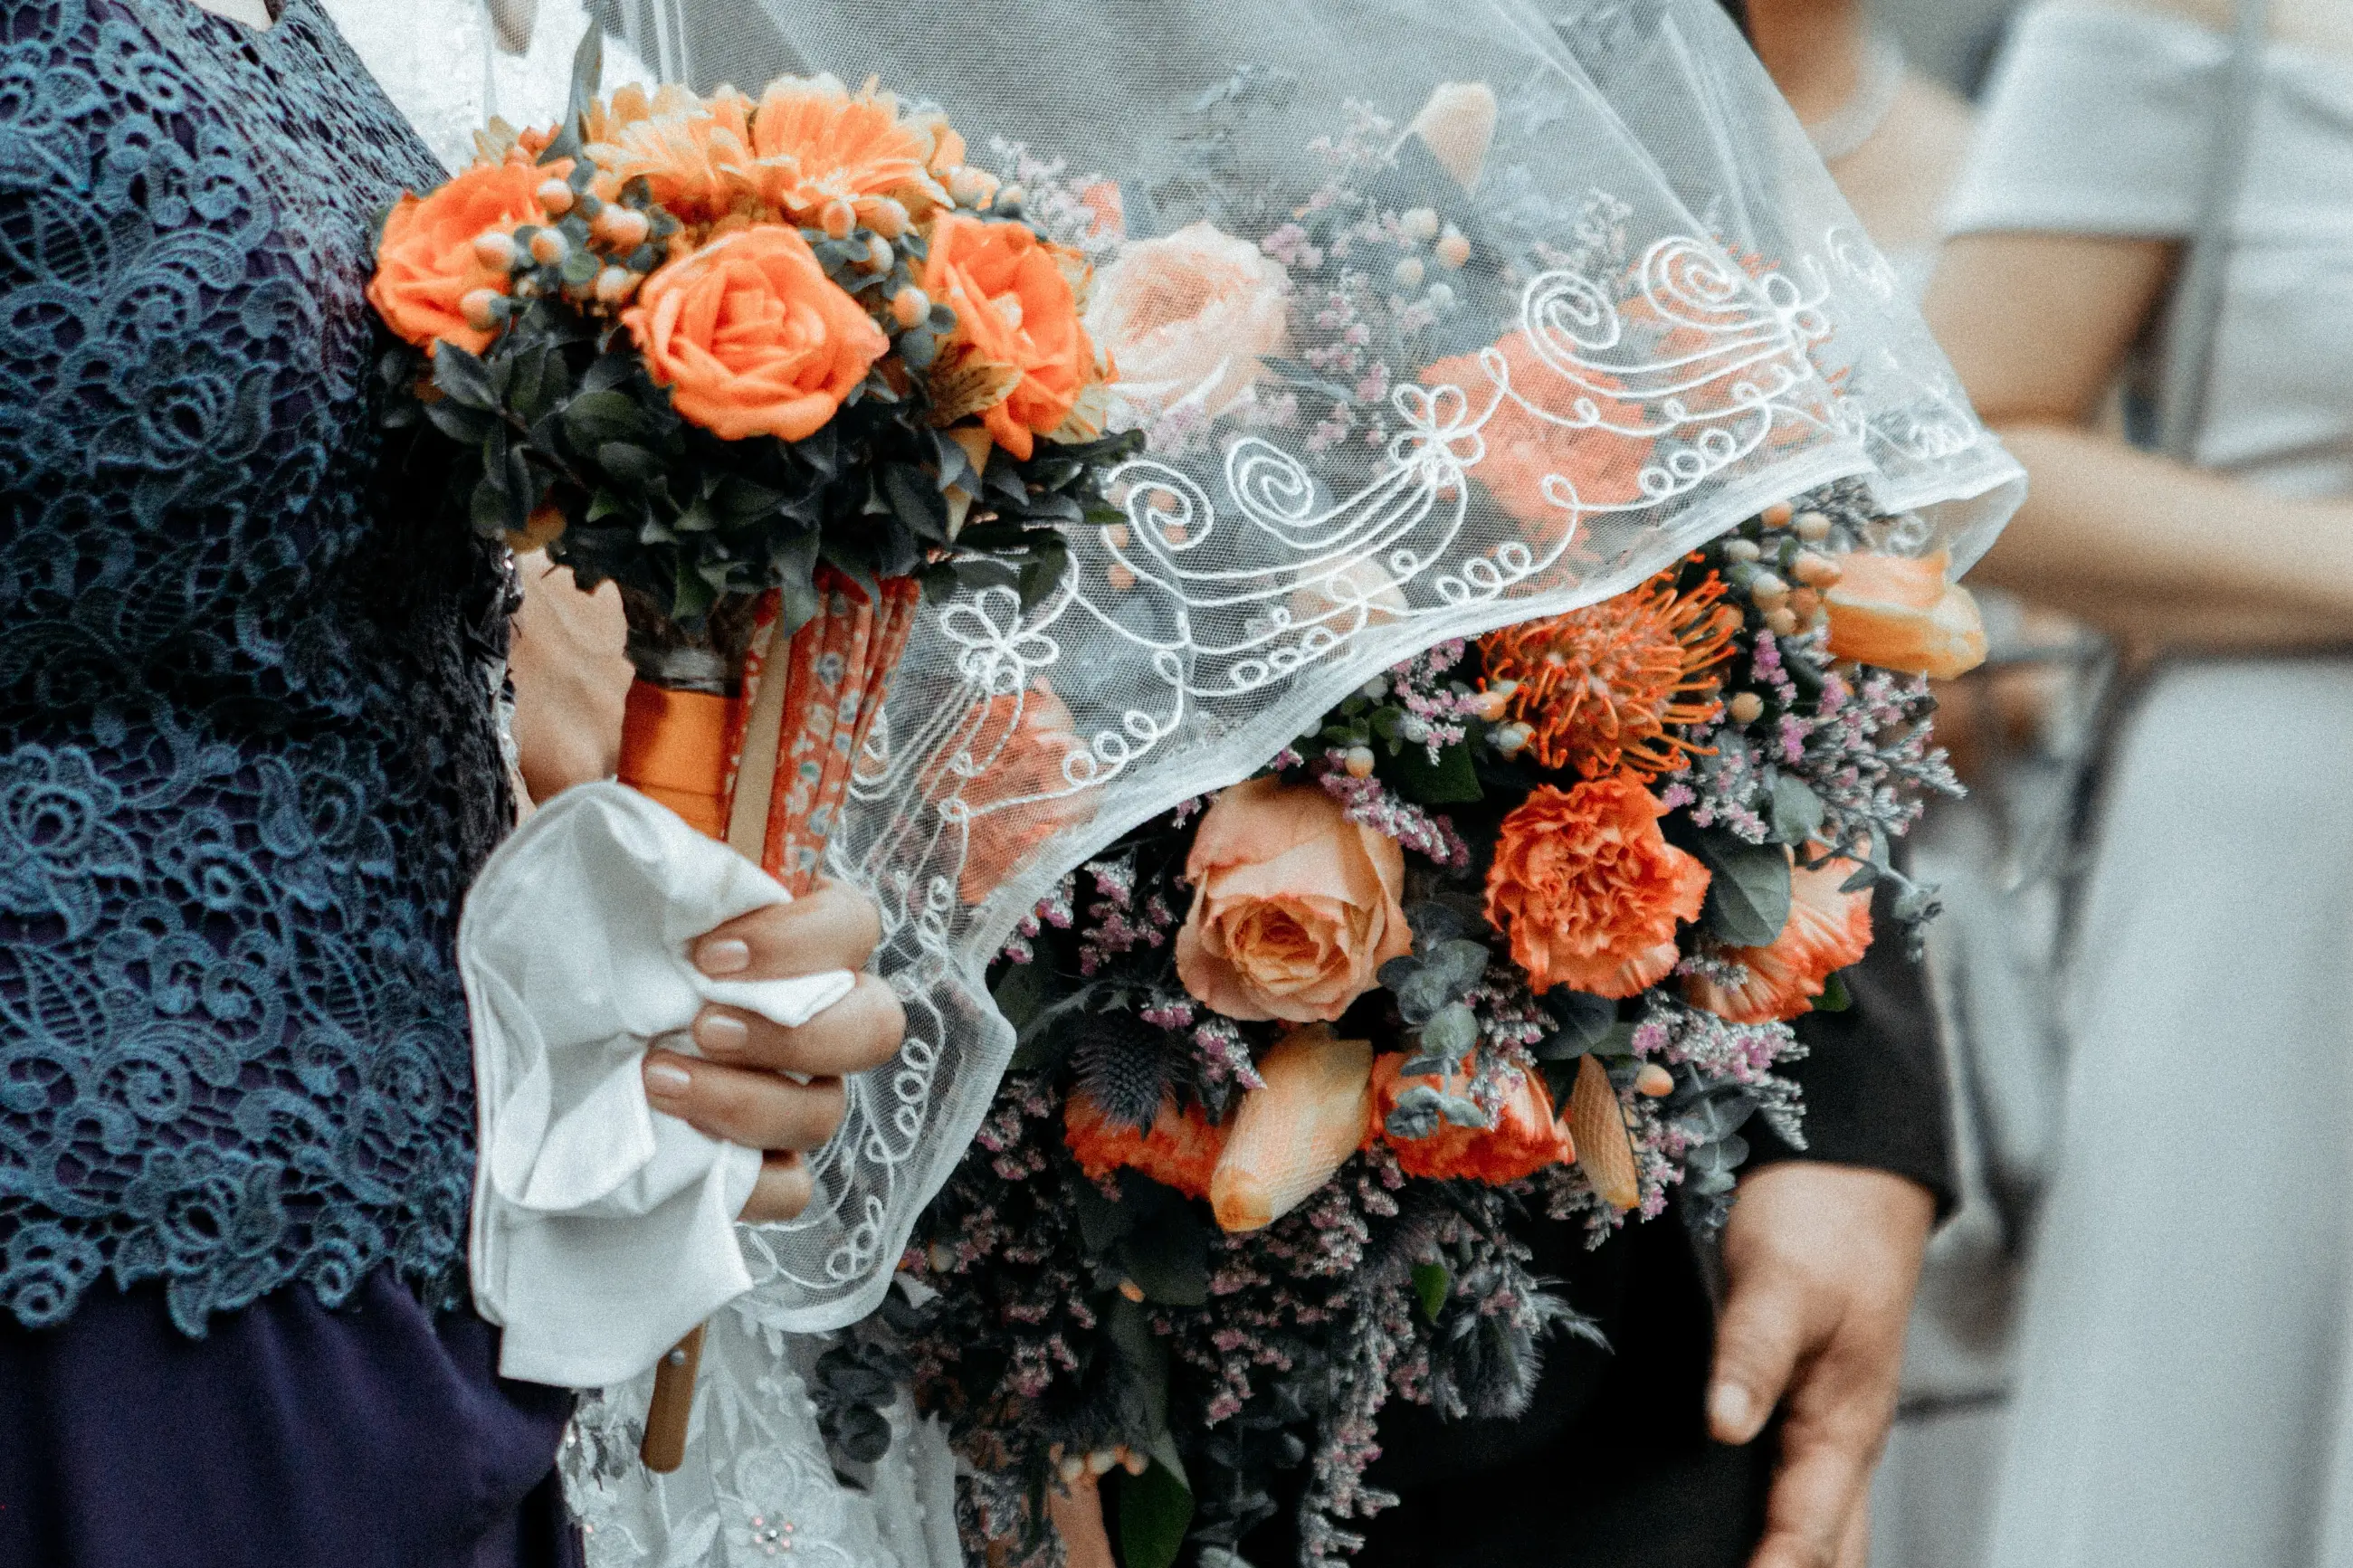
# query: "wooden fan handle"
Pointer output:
{"type": "Point", "coordinates": [664, 1448]}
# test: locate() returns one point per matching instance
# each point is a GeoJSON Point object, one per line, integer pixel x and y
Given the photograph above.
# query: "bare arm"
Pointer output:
{"type": "Point", "coordinates": [2144, 547]}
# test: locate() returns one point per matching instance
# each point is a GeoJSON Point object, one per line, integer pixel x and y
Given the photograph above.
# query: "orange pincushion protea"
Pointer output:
{"type": "Point", "coordinates": [1602, 688]}
{"type": "Point", "coordinates": [1180, 1150]}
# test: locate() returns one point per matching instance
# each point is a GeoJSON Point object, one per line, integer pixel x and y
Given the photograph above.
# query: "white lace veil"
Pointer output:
{"type": "Point", "coordinates": [1695, 327]}
{"type": "Point", "coordinates": [1707, 331]}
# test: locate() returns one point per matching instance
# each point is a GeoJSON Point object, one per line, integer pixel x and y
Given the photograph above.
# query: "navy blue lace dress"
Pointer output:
{"type": "Point", "coordinates": [247, 767]}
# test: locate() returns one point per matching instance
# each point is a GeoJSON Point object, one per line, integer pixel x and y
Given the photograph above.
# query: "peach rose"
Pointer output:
{"type": "Point", "coordinates": [1526, 1137]}
{"type": "Point", "coordinates": [1180, 1150]}
{"type": "Point", "coordinates": [1827, 929]}
{"type": "Point", "coordinates": [1587, 891]}
{"type": "Point", "coordinates": [1187, 318]}
{"type": "Point", "coordinates": [1591, 462]}
{"type": "Point", "coordinates": [1019, 357]}
{"type": "Point", "coordinates": [1290, 1136]}
{"type": "Point", "coordinates": [752, 337]}
{"type": "Point", "coordinates": [1898, 612]}
{"type": "Point", "coordinates": [814, 142]}
{"type": "Point", "coordinates": [1294, 907]}
{"type": "Point", "coordinates": [425, 264]}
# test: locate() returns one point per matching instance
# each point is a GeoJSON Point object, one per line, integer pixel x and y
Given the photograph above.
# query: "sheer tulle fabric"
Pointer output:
{"type": "Point", "coordinates": [1658, 318]}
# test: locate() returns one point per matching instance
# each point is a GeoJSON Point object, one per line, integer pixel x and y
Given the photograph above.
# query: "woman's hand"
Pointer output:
{"type": "Point", "coordinates": [748, 1085]}
{"type": "Point", "coordinates": [571, 678]}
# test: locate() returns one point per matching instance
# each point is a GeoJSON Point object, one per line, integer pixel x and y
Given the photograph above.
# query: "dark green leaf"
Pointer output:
{"type": "Point", "coordinates": [1585, 1021]}
{"type": "Point", "coordinates": [1431, 1286]}
{"type": "Point", "coordinates": [1168, 1255]}
{"type": "Point", "coordinates": [468, 427]}
{"type": "Point", "coordinates": [629, 463]}
{"type": "Point", "coordinates": [1155, 1510]}
{"type": "Point", "coordinates": [1747, 890]}
{"type": "Point", "coordinates": [1452, 780]}
{"type": "Point", "coordinates": [916, 502]}
{"type": "Point", "coordinates": [463, 378]}
{"type": "Point", "coordinates": [1043, 573]}
{"type": "Point", "coordinates": [593, 418]}
{"type": "Point", "coordinates": [1102, 1221]}
{"type": "Point", "coordinates": [1835, 997]}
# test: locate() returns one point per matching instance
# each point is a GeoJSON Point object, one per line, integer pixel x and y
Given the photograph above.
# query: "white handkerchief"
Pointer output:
{"type": "Point", "coordinates": [603, 1229]}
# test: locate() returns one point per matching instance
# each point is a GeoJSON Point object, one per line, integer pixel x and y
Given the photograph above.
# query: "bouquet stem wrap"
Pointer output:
{"type": "Point", "coordinates": [758, 753]}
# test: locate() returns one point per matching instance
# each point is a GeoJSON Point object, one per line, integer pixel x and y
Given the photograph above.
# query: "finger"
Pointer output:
{"type": "Point", "coordinates": [1854, 1552]}
{"type": "Point", "coordinates": [782, 1192]}
{"type": "Point", "coordinates": [1756, 1345]}
{"type": "Point", "coordinates": [861, 1031]}
{"type": "Point", "coordinates": [1818, 1490]}
{"type": "Point", "coordinates": [742, 1105]}
{"type": "Point", "coordinates": [833, 927]}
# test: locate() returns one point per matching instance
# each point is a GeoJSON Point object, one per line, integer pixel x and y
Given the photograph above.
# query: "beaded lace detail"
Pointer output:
{"type": "Point", "coordinates": [248, 764]}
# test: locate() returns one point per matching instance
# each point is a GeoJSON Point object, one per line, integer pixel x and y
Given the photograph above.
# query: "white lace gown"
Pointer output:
{"type": "Point", "coordinates": [2181, 1399]}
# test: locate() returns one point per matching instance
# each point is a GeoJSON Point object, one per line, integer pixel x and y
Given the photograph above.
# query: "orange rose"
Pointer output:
{"type": "Point", "coordinates": [1180, 1151]}
{"type": "Point", "coordinates": [1294, 907]}
{"type": "Point", "coordinates": [1526, 1136]}
{"type": "Point", "coordinates": [1018, 796]}
{"type": "Point", "coordinates": [752, 337]}
{"type": "Point", "coordinates": [814, 142]}
{"type": "Point", "coordinates": [1187, 318]}
{"type": "Point", "coordinates": [1827, 929]}
{"type": "Point", "coordinates": [426, 265]}
{"type": "Point", "coordinates": [1898, 612]}
{"type": "Point", "coordinates": [1587, 891]}
{"type": "Point", "coordinates": [1590, 461]}
{"type": "Point", "coordinates": [1290, 1136]}
{"type": "Point", "coordinates": [1019, 357]}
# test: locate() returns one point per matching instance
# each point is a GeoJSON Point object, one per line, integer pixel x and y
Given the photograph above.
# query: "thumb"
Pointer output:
{"type": "Point", "coordinates": [1757, 1341]}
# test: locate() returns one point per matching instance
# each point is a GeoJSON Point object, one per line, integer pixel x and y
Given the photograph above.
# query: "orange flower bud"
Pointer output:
{"type": "Point", "coordinates": [556, 196]}
{"type": "Point", "coordinates": [496, 250]}
{"type": "Point", "coordinates": [549, 248]}
{"type": "Point", "coordinates": [910, 305]}
{"type": "Point", "coordinates": [1290, 1136]}
{"type": "Point", "coordinates": [1898, 612]}
{"type": "Point", "coordinates": [481, 309]}
{"type": "Point", "coordinates": [620, 228]}
{"type": "Point", "coordinates": [837, 219]}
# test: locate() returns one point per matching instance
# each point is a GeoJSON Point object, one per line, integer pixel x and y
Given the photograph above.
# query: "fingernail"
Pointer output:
{"type": "Point", "coordinates": [1728, 1410]}
{"type": "Point", "coordinates": [723, 955]}
{"type": "Point", "coordinates": [668, 1078]}
{"type": "Point", "coordinates": [722, 1034]}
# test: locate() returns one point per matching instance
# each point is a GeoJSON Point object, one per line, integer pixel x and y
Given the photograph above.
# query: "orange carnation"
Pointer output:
{"type": "Point", "coordinates": [815, 142]}
{"type": "Point", "coordinates": [1018, 358]}
{"type": "Point", "coordinates": [1554, 447]}
{"type": "Point", "coordinates": [1294, 907]}
{"type": "Point", "coordinates": [1020, 794]}
{"type": "Point", "coordinates": [1827, 929]}
{"type": "Point", "coordinates": [1898, 612]}
{"type": "Point", "coordinates": [752, 337]}
{"type": "Point", "coordinates": [1180, 1151]}
{"type": "Point", "coordinates": [425, 264]}
{"type": "Point", "coordinates": [1588, 891]}
{"type": "Point", "coordinates": [1525, 1137]}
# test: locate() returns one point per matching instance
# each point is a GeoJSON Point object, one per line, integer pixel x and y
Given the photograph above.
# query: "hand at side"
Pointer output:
{"type": "Point", "coordinates": [1822, 1261]}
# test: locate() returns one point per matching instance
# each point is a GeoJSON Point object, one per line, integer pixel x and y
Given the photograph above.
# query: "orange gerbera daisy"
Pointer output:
{"type": "Point", "coordinates": [1180, 1151]}
{"type": "Point", "coordinates": [693, 154]}
{"type": "Point", "coordinates": [816, 143]}
{"type": "Point", "coordinates": [1603, 688]}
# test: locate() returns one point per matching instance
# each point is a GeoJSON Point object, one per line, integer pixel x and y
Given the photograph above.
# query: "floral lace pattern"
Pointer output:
{"type": "Point", "coordinates": [248, 764]}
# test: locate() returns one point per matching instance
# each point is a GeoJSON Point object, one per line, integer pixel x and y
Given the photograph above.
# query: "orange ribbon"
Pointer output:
{"type": "Point", "coordinates": [674, 749]}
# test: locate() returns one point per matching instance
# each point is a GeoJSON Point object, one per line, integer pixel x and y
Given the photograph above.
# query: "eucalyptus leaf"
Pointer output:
{"type": "Point", "coordinates": [1748, 889]}
{"type": "Point", "coordinates": [1798, 811]}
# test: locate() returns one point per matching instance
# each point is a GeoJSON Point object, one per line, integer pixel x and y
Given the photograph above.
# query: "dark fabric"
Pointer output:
{"type": "Point", "coordinates": [1877, 1092]}
{"type": "Point", "coordinates": [248, 762]}
{"type": "Point", "coordinates": [375, 1434]}
{"type": "Point", "coordinates": [1611, 1466]}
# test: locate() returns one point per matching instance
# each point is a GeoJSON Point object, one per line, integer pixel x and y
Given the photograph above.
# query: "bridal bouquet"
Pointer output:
{"type": "Point", "coordinates": [769, 365]}
{"type": "Point", "coordinates": [1520, 925]}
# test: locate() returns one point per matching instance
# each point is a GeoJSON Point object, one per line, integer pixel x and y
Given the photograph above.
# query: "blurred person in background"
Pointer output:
{"type": "Point", "coordinates": [2179, 1397]}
